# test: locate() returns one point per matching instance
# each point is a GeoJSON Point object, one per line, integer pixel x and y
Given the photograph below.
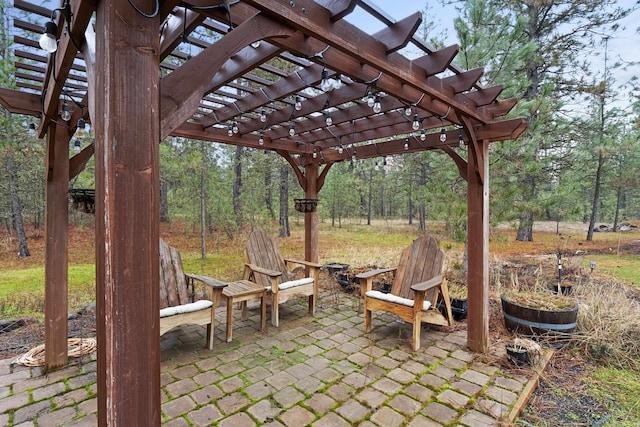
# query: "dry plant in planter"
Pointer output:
{"type": "Point", "coordinates": [539, 314]}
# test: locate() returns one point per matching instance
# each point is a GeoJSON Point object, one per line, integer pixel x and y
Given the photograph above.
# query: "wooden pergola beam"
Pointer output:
{"type": "Point", "coordinates": [18, 102]}
{"type": "Point", "coordinates": [398, 35]}
{"type": "Point", "coordinates": [183, 89]}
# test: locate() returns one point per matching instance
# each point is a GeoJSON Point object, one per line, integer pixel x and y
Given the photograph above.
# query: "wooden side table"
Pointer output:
{"type": "Point", "coordinates": [242, 291]}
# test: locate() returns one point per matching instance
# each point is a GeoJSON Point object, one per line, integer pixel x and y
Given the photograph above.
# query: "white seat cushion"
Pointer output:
{"type": "Point", "coordinates": [292, 284]}
{"type": "Point", "coordinates": [185, 308]}
{"type": "Point", "coordinates": [396, 299]}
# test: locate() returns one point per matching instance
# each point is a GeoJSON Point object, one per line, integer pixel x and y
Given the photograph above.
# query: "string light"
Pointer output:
{"type": "Point", "coordinates": [325, 84]}
{"type": "Point", "coordinates": [443, 135]}
{"type": "Point", "coordinates": [315, 154]}
{"type": "Point", "coordinates": [460, 139]}
{"type": "Point", "coordinates": [48, 41]}
{"type": "Point", "coordinates": [340, 149]}
{"type": "Point", "coordinates": [416, 122]}
{"type": "Point", "coordinates": [298, 104]}
{"type": "Point", "coordinates": [377, 106]}
{"type": "Point", "coordinates": [423, 135]}
{"type": "Point", "coordinates": [406, 144]}
{"type": "Point", "coordinates": [230, 130]}
{"type": "Point", "coordinates": [407, 110]}
{"type": "Point", "coordinates": [261, 139]}
{"type": "Point", "coordinates": [31, 131]}
{"type": "Point", "coordinates": [65, 114]}
{"type": "Point", "coordinates": [77, 146]}
{"type": "Point", "coordinates": [337, 83]}
{"type": "Point", "coordinates": [81, 128]}
{"type": "Point", "coordinates": [327, 118]}
{"type": "Point", "coordinates": [292, 129]}
{"type": "Point", "coordinates": [263, 116]}
{"type": "Point", "coordinates": [234, 127]}
{"type": "Point", "coordinates": [370, 99]}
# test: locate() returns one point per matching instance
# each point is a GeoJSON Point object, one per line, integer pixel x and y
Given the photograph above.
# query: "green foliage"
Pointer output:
{"type": "Point", "coordinates": [618, 390]}
{"type": "Point", "coordinates": [22, 291]}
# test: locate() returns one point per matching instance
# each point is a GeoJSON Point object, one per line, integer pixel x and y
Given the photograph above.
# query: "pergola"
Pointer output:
{"type": "Point", "coordinates": [293, 77]}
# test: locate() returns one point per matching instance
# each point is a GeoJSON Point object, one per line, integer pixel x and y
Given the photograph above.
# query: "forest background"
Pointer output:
{"type": "Point", "coordinates": [576, 161]}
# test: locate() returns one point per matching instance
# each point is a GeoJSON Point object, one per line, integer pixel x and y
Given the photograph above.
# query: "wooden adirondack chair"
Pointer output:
{"type": "Point", "coordinates": [179, 303]}
{"type": "Point", "coordinates": [266, 267]}
{"type": "Point", "coordinates": [416, 286]}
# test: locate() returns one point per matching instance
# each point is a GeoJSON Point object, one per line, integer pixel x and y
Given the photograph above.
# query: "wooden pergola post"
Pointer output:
{"type": "Point", "coordinates": [57, 239]}
{"type": "Point", "coordinates": [311, 218]}
{"type": "Point", "coordinates": [478, 246]}
{"type": "Point", "coordinates": [127, 128]}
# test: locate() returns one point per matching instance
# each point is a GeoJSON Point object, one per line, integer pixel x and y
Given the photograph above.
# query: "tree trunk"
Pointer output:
{"type": "Point", "coordinates": [237, 185]}
{"type": "Point", "coordinates": [203, 206]}
{"type": "Point", "coordinates": [596, 197]}
{"type": "Point", "coordinates": [164, 201]}
{"type": "Point", "coordinates": [525, 226]}
{"type": "Point", "coordinates": [370, 197]}
{"type": "Point", "coordinates": [268, 196]}
{"type": "Point", "coordinates": [16, 208]}
{"type": "Point", "coordinates": [284, 202]}
{"type": "Point", "coordinates": [618, 205]}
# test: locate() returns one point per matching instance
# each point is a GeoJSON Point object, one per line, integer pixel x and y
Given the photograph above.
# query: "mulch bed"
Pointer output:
{"type": "Point", "coordinates": [15, 341]}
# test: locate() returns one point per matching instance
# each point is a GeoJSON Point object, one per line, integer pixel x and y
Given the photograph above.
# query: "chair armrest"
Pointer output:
{"type": "Point", "coordinates": [256, 269]}
{"type": "Point", "coordinates": [209, 281]}
{"type": "Point", "coordinates": [301, 262]}
{"type": "Point", "coordinates": [372, 273]}
{"type": "Point", "coordinates": [424, 286]}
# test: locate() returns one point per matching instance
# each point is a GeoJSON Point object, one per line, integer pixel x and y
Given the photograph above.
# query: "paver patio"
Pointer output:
{"type": "Point", "coordinates": [311, 371]}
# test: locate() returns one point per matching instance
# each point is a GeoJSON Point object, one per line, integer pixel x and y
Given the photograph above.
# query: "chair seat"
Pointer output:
{"type": "Point", "coordinates": [293, 284]}
{"type": "Point", "coordinates": [185, 308]}
{"type": "Point", "coordinates": [396, 299]}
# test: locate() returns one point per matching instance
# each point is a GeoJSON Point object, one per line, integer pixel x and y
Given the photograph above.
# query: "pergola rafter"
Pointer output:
{"type": "Point", "coordinates": [192, 70]}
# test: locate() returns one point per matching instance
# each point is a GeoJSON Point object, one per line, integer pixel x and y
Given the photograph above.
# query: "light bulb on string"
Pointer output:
{"type": "Point", "coordinates": [370, 99]}
{"type": "Point", "coordinates": [263, 116]}
{"type": "Point", "coordinates": [261, 139]}
{"type": "Point", "coordinates": [298, 104]}
{"type": "Point", "coordinates": [443, 135]}
{"type": "Point", "coordinates": [406, 144]}
{"type": "Point", "coordinates": [325, 84]}
{"type": "Point", "coordinates": [230, 130]}
{"type": "Point", "coordinates": [315, 153]}
{"type": "Point", "coordinates": [81, 128]}
{"type": "Point", "coordinates": [65, 114]}
{"type": "Point", "coordinates": [407, 110]}
{"type": "Point", "coordinates": [337, 81]}
{"type": "Point", "coordinates": [77, 146]}
{"type": "Point", "coordinates": [423, 135]}
{"type": "Point", "coordinates": [292, 130]}
{"type": "Point", "coordinates": [460, 139]}
{"type": "Point", "coordinates": [415, 125]}
{"type": "Point", "coordinates": [340, 149]}
{"type": "Point", "coordinates": [31, 131]}
{"type": "Point", "coordinates": [234, 127]}
{"type": "Point", "coordinates": [48, 41]}
{"type": "Point", "coordinates": [377, 105]}
{"type": "Point", "coordinates": [327, 119]}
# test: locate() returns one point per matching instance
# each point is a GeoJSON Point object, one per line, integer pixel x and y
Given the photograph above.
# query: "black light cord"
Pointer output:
{"type": "Point", "coordinates": [146, 15]}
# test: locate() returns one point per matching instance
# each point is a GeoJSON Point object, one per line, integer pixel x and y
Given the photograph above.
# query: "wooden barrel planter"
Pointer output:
{"type": "Point", "coordinates": [531, 321]}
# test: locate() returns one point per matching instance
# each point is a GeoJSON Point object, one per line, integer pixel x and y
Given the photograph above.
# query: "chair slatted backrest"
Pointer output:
{"type": "Point", "coordinates": [419, 262]}
{"type": "Point", "coordinates": [173, 283]}
{"type": "Point", "coordinates": [263, 251]}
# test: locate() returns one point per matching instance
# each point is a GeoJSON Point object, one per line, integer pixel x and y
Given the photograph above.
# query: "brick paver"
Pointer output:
{"type": "Point", "coordinates": [322, 371]}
